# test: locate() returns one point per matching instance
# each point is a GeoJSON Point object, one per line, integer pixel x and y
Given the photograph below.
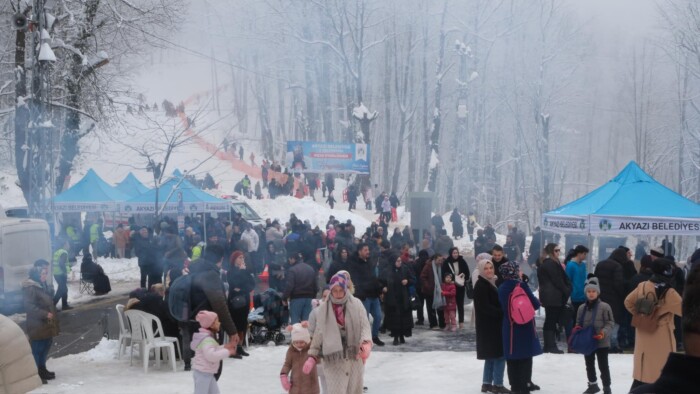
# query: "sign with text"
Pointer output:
{"type": "Point", "coordinates": [314, 157]}
{"type": "Point", "coordinates": [565, 224]}
{"type": "Point", "coordinates": [640, 225]}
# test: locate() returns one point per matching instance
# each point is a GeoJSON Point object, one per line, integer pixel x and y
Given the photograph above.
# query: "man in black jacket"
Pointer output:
{"type": "Point", "coordinates": [207, 294]}
{"type": "Point", "coordinates": [612, 290]}
{"type": "Point", "coordinates": [680, 374]}
{"type": "Point", "coordinates": [301, 288]}
{"type": "Point", "coordinates": [368, 288]}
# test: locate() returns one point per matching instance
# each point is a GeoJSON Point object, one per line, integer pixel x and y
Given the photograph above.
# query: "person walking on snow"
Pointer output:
{"type": "Point", "coordinates": [297, 354]}
{"type": "Point", "coordinates": [208, 353]}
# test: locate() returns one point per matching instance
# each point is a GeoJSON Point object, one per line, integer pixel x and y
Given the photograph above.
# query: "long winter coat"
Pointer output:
{"type": "Point", "coordinates": [294, 362]}
{"type": "Point", "coordinates": [38, 303]}
{"type": "Point", "coordinates": [612, 286]}
{"type": "Point", "coordinates": [489, 321]}
{"type": "Point", "coordinates": [457, 227]}
{"type": "Point", "coordinates": [346, 376]}
{"type": "Point", "coordinates": [652, 349]}
{"type": "Point", "coordinates": [603, 320]}
{"type": "Point", "coordinates": [463, 268]}
{"type": "Point", "coordinates": [18, 373]}
{"type": "Point", "coordinates": [519, 341]}
{"type": "Point", "coordinates": [398, 315]}
{"type": "Point", "coordinates": [555, 286]}
{"type": "Point", "coordinates": [427, 279]}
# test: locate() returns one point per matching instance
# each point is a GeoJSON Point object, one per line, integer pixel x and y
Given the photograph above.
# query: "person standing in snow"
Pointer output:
{"type": "Point", "coordinates": [438, 224]}
{"type": "Point", "coordinates": [489, 320]}
{"type": "Point", "coordinates": [598, 314]}
{"type": "Point", "coordinates": [449, 291]}
{"type": "Point", "coordinates": [520, 342]}
{"type": "Point", "coordinates": [208, 353]}
{"type": "Point", "coordinates": [240, 152]}
{"type": "Point", "coordinates": [457, 266]}
{"type": "Point", "coordinates": [368, 195]}
{"type": "Point", "coordinates": [398, 316]}
{"type": "Point", "coordinates": [457, 227]}
{"type": "Point", "coordinates": [342, 339]}
{"type": "Point", "coordinates": [330, 200]}
{"type": "Point", "coordinates": [555, 289]}
{"type": "Point", "coordinates": [297, 354]}
{"type": "Point", "coordinates": [352, 198]}
{"type": "Point", "coordinates": [386, 209]}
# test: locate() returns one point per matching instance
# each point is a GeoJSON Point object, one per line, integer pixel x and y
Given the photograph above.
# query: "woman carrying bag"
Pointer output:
{"type": "Point", "coordinates": [457, 266]}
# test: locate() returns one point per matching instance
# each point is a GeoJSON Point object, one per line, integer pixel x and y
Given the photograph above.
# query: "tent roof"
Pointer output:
{"type": "Point", "coordinates": [632, 193]}
{"type": "Point", "coordinates": [91, 188]}
{"type": "Point", "coordinates": [190, 193]}
{"type": "Point", "coordinates": [131, 186]}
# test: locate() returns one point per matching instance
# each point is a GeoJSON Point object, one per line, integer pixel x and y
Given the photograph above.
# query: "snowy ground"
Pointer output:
{"type": "Point", "coordinates": [387, 372]}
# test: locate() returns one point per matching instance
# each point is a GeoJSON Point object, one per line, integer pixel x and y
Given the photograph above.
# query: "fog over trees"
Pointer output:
{"type": "Point", "coordinates": [504, 107]}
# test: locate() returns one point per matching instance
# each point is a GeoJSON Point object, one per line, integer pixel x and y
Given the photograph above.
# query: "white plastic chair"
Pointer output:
{"type": "Point", "coordinates": [159, 334]}
{"type": "Point", "coordinates": [155, 343]}
{"type": "Point", "coordinates": [124, 331]}
{"type": "Point", "coordinates": [135, 320]}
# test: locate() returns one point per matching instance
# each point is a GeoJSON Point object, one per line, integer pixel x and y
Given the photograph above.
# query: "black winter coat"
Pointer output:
{"type": "Point", "coordinates": [301, 282]}
{"type": "Point", "coordinates": [367, 285]}
{"type": "Point", "coordinates": [207, 293]}
{"type": "Point", "coordinates": [457, 227]}
{"type": "Point", "coordinates": [463, 269]}
{"type": "Point", "coordinates": [489, 321]}
{"type": "Point", "coordinates": [398, 316]}
{"type": "Point", "coordinates": [555, 286]}
{"type": "Point", "coordinates": [612, 286]}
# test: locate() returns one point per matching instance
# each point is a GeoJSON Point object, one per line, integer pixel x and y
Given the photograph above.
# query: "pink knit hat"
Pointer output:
{"type": "Point", "coordinates": [206, 318]}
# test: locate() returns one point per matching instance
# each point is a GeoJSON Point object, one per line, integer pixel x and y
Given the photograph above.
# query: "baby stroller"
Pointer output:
{"type": "Point", "coordinates": [268, 317]}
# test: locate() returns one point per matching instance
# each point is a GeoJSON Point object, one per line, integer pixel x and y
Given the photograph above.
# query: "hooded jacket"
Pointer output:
{"type": "Point", "coordinates": [207, 352]}
{"type": "Point", "coordinates": [38, 303]}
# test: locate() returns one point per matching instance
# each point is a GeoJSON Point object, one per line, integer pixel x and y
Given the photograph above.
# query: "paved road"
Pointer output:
{"type": "Point", "coordinates": [84, 326]}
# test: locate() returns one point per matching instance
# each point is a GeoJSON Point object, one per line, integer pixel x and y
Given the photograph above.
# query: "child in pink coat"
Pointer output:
{"type": "Point", "coordinates": [449, 290]}
{"type": "Point", "coordinates": [207, 353]}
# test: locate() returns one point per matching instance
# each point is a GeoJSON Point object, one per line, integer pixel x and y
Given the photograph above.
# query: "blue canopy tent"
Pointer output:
{"type": "Point", "coordinates": [90, 194]}
{"type": "Point", "coordinates": [131, 186]}
{"type": "Point", "coordinates": [632, 203]}
{"type": "Point", "coordinates": [176, 196]}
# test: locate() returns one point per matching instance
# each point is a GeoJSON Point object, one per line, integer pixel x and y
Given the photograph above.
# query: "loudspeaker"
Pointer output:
{"type": "Point", "coordinates": [20, 22]}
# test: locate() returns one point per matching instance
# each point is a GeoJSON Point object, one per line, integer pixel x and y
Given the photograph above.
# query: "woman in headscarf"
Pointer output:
{"type": "Point", "coordinates": [398, 316]}
{"type": "Point", "coordinates": [520, 342]}
{"type": "Point", "coordinates": [457, 266]}
{"type": "Point", "coordinates": [652, 347]}
{"type": "Point", "coordinates": [41, 322]}
{"type": "Point", "coordinates": [489, 344]}
{"type": "Point", "coordinates": [240, 285]}
{"type": "Point", "coordinates": [342, 339]}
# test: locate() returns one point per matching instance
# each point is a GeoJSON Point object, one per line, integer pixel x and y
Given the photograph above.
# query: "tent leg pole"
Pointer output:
{"type": "Point", "coordinates": [204, 220]}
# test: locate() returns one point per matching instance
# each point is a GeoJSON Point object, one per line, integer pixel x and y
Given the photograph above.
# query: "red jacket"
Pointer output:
{"type": "Point", "coordinates": [449, 290]}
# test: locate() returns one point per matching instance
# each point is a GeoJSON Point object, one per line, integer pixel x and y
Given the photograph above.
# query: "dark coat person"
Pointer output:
{"type": "Point", "coordinates": [555, 286]}
{"type": "Point", "coordinates": [612, 284]}
{"type": "Point", "coordinates": [489, 318]}
{"type": "Point", "coordinates": [94, 272]}
{"type": "Point", "coordinates": [398, 316]}
{"type": "Point", "coordinates": [457, 226]}
{"type": "Point", "coordinates": [457, 266]}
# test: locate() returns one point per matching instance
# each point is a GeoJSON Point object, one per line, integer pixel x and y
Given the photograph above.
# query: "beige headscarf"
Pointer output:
{"type": "Point", "coordinates": [481, 266]}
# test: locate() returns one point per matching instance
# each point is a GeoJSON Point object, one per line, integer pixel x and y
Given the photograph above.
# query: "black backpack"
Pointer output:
{"type": "Point", "coordinates": [179, 299]}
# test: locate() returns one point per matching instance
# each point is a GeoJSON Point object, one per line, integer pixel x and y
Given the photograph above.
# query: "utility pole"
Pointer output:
{"type": "Point", "coordinates": [40, 128]}
{"type": "Point", "coordinates": [461, 137]}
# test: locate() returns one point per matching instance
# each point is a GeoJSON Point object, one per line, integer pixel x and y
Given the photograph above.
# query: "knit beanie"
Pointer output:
{"type": "Point", "coordinates": [206, 318]}
{"type": "Point", "coordinates": [509, 270]}
{"type": "Point", "coordinates": [592, 283]}
{"type": "Point", "coordinates": [300, 333]}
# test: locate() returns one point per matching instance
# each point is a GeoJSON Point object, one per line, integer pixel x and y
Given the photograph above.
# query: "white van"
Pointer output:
{"type": "Point", "coordinates": [22, 242]}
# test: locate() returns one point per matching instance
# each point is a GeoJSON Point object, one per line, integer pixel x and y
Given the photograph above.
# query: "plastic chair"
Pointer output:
{"type": "Point", "coordinates": [159, 334]}
{"type": "Point", "coordinates": [135, 320]}
{"type": "Point", "coordinates": [152, 342]}
{"type": "Point", "coordinates": [124, 331]}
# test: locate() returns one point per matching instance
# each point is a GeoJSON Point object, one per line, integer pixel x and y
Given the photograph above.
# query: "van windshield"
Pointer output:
{"type": "Point", "coordinates": [245, 210]}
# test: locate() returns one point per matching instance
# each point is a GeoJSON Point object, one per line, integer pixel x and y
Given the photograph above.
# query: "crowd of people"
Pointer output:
{"type": "Point", "coordinates": [371, 285]}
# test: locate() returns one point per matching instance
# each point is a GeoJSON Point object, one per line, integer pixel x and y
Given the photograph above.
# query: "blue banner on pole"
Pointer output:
{"type": "Point", "coordinates": [311, 156]}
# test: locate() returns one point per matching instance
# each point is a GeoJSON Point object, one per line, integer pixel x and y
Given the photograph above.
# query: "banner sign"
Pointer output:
{"type": "Point", "coordinates": [66, 207]}
{"type": "Point", "coordinates": [314, 157]}
{"type": "Point", "coordinates": [175, 208]}
{"type": "Point", "coordinates": [565, 224]}
{"type": "Point", "coordinates": [642, 226]}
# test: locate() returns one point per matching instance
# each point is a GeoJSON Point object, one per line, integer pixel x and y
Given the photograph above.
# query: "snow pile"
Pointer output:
{"type": "Point", "coordinates": [306, 209]}
{"type": "Point", "coordinates": [11, 193]}
{"type": "Point", "coordinates": [386, 372]}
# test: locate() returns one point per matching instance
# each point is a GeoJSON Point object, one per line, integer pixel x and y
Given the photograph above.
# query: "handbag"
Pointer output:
{"type": "Point", "coordinates": [238, 301]}
{"type": "Point", "coordinates": [645, 317]}
{"type": "Point", "coordinates": [459, 279]}
{"type": "Point", "coordinates": [581, 340]}
{"type": "Point", "coordinates": [470, 289]}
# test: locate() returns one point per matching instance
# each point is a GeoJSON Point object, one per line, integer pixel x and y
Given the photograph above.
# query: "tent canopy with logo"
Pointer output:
{"type": "Point", "coordinates": [90, 194]}
{"type": "Point", "coordinates": [131, 186]}
{"type": "Point", "coordinates": [176, 196]}
{"type": "Point", "coordinates": [632, 203]}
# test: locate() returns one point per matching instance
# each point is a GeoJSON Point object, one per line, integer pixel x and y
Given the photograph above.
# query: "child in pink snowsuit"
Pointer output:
{"type": "Point", "coordinates": [449, 290]}
{"type": "Point", "coordinates": [208, 353]}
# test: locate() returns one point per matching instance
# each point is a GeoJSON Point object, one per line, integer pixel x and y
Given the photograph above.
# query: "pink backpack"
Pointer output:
{"type": "Point", "coordinates": [520, 307]}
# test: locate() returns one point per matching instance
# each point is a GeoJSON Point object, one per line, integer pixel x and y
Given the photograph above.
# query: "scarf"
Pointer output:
{"type": "Point", "coordinates": [333, 348]}
{"type": "Point", "coordinates": [481, 266]}
{"type": "Point", "coordinates": [438, 298]}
